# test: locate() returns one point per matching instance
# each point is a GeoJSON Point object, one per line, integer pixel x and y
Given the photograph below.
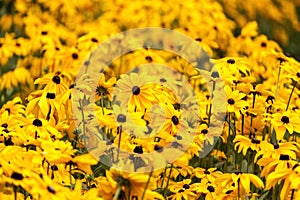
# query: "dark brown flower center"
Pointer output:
{"type": "Point", "coordinates": [231, 101]}
{"type": "Point", "coordinates": [136, 90]}
{"type": "Point", "coordinates": [276, 146]}
{"type": "Point", "coordinates": [263, 44]}
{"type": "Point", "coordinates": [50, 95]}
{"type": "Point", "coordinates": [175, 120]}
{"type": "Point", "coordinates": [94, 40]}
{"type": "Point", "coordinates": [51, 189]}
{"type": "Point", "coordinates": [186, 186]}
{"type": "Point", "coordinates": [230, 61]}
{"type": "Point", "coordinates": [229, 191]}
{"type": "Point", "coordinates": [37, 122]}
{"type": "Point", "coordinates": [138, 149]}
{"type": "Point", "coordinates": [211, 188]}
{"type": "Point", "coordinates": [149, 59]}
{"type": "Point", "coordinates": [163, 80]}
{"type": "Point", "coordinates": [255, 141]}
{"type": "Point", "coordinates": [5, 125]}
{"type": "Point", "coordinates": [285, 119]}
{"type": "Point", "coordinates": [75, 56]}
{"type": "Point", "coordinates": [215, 75]}
{"type": "Point", "coordinates": [284, 157]}
{"type": "Point", "coordinates": [121, 118]}
{"type": "Point", "coordinates": [56, 79]}
{"type": "Point", "coordinates": [158, 148]}
{"type": "Point", "coordinates": [17, 176]}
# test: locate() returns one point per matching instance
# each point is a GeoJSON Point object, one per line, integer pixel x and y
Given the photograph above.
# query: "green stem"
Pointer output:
{"type": "Point", "coordinates": [102, 103]}
{"type": "Point", "coordinates": [243, 123]}
{"type": "Point", "coordinates": [15, 192]}
{"type": "Point", "coordinates": [83, 123]}
{"type": "Point", "coordinates": [70, 171]}
{"type": "Point", "coordinates": [239, 196]}
{"type": "Point", "coordinates": [168, 181]}
{"type": "Point", "coordinates": [119, 143]}
{"type": "Point", "coordinates": [289, 101]}
{"type": "Point", "coordinates": [277, 83]}
{"type": "Point", "coordinates": [228, 124]}
{"type": "Point", "coordinates": [116, 196]}
{"type": "Point", "coordinates": [163, 178]}
{"type": "Point", "coordinates": [146, 186]}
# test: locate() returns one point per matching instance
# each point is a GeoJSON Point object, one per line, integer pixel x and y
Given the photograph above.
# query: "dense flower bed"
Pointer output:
{"type": "Point", "coordinates": [43, 153]}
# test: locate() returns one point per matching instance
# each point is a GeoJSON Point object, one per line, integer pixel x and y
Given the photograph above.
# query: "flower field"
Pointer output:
{"type": "Point", "coordinates": [136, 100]}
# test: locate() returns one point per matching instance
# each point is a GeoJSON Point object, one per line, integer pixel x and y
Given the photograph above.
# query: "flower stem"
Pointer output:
{"type": "Point", "coordinates": [146, 186]}
{"type": "Point", "coordinates": [119, 143]}
{"type": "Point", "coordinates": [289, 101]}
{"type": "Point", "coordinates": [102, 103]}
{"type": "Point", "coordinates": [116, 196]}
{"type": "Point", "coordinates": [239, 189]}
{"type": "Point", "coordinates": [293, 193]}
{"type": "Point", "coordinates": [168, 181]}
{"type": "Point", "coordinates": [277, 83]}
{"type": "Point", "coordinates": [163, 178]}
{"type": "Point", "coordinates": [243, 123]}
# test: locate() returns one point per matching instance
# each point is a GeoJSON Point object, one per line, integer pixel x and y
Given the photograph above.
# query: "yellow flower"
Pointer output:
{"type": "Point", "coordinates": [242, 144]}
{"type": "Point", "coordinates": [57, 152]}
{"type": "Point", "coordinates": [132, 184]}
{"type": "Point", "coordinates": [105, 88]}
{"type": "Point", "coordinates": [290, 176]}
{"type": "Point", "coordinates": [287, 120]}
{"type": "Point", "coordinates": [183, 190]}
{"type": "Point", "coordinates": [235, 100]}
{"type": "Point", "coordinates": [241, 179]}
{"type": "Point", "coordinates": [54, 82]}
{"type": "Point", "coordinates": [14, 77]}
{"type": "Point", "coordinates": [167, 119]}
{"type": "Point", "coordinates": [84, 162]}
{"type": "Point", "coordinates": [134, 92]}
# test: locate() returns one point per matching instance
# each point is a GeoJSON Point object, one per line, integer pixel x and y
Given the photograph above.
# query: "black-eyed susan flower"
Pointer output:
{"type": "Point", "coordinates": [206, 175]}
{"type": "Point", "coordinates": [105, 88]}
{"type": "Point", "coordinates": [134, 92]}
{"type": "Point", "coordinates": [54, 82]}
{"type": "Point", "coordinates": [57, 151]}
{"type": "Point", "coordinates": [241, 180]}
{"type": "Point", "coordinates": [167, 119]}
{"type": "Point", "coordinates": [289, 177]}
{"type": "Point", "coordinates": [286, 121]}
{"type": "Point", "coordinates": [183, 190]}
{"type": "Point", "coordinates": [243, 144]}
{"type": "Point", "coordinates": [130, 183]}
{"type": "Point", "coordinates": [235, 100]}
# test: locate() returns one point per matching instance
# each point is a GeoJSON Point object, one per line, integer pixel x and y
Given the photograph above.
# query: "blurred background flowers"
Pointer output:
{"type": "Point", "coordinates": [255, 46]}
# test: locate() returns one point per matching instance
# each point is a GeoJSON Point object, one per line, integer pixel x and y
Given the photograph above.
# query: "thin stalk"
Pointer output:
{"type": "Point", "coordinates": [83, 123]}
{"type": "Point", "coordinates": [243, 123]}
{"type": "Point", "coordinates": [146, 186]}
{"type": "Point", "coordinates": [70, 171]}
{"type": "Point", "coordinates": [239, 196]}
{"type": "Point", "coordinates": [119, 143]}
{"type": "Point", "coordinates": [117, 194]}
{"type": "Point", "coordinates": [102, 103]}
{"type": "Point", "coordinates": [163, 178]}
{"type": "Point", "coordinates": [293, 193]}
{"type": "Point", "coordinates": [168, 181]}
{"type": "Point", "coordinates": [277, 83]}
{"type": "Point", "coordinates": [289, 101]}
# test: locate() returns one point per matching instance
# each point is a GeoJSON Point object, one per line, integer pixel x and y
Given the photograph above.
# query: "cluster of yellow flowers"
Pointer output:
{"type": "Point", "coordinates": [48, 135]}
